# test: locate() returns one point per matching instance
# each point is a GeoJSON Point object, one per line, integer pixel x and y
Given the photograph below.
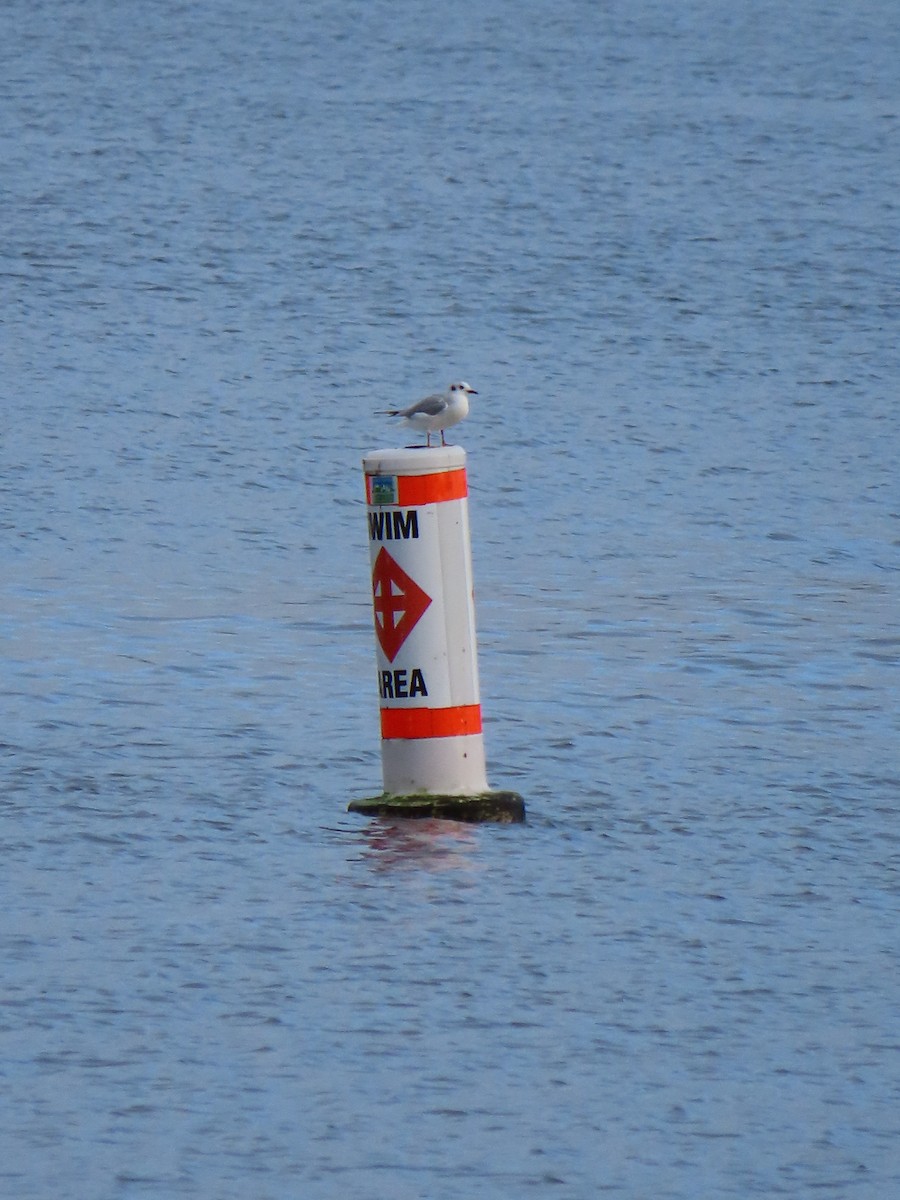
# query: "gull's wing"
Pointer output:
{"type": "Point", "coordinates": [431, 406]}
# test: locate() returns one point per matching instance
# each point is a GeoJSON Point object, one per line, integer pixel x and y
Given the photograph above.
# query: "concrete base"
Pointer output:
{"type": "Point", "coordinates": [505, 808]}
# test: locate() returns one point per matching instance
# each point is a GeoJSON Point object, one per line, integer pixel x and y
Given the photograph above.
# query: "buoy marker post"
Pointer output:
{"type": "Point", "coordinates": [432, 745]}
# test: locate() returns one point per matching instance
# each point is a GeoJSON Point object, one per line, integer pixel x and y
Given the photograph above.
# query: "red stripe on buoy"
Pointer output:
{"type": "Point", "coordinates": [431, 722]}
{"type": "Point", "coordinates": [414, 490]}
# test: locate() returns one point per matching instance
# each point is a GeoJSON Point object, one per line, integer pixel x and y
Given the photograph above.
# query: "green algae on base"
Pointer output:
{"type": "Point", "coordinates": [506, 808]}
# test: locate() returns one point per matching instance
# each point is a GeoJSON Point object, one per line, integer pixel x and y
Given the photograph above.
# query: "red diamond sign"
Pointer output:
{"type": "Point", "coordinates": [399, 603]}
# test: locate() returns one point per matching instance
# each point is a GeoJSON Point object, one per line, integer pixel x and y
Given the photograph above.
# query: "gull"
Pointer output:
{"type": "Point", "coordinates": [438, 412]}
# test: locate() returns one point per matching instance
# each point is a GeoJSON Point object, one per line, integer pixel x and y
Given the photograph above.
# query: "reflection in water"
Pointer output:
{"type": "Point", "coordinates": [433, 844]}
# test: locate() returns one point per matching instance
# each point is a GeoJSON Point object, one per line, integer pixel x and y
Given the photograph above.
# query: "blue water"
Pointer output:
{"type": "Point", "coordinates": [662, 241]}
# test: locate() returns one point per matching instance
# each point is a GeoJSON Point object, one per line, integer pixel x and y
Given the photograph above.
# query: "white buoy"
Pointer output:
{"type": "Point", "coordinates": [432, 745]}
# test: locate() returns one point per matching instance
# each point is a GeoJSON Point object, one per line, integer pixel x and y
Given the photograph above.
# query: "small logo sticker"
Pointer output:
{"type": "Point", "coordinates": [384, 489]}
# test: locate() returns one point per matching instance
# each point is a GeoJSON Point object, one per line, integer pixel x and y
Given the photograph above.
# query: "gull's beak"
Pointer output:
{"type": "Point", "coordinates": [471, 391]}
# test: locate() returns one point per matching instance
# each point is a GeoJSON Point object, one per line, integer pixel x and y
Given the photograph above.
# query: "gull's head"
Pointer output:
{"type": "Point", "coordinates": [458, 390]}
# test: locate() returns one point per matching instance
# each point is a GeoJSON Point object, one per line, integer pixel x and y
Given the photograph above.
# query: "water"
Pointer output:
{"type": "Point", "coordinates": [662, 243]}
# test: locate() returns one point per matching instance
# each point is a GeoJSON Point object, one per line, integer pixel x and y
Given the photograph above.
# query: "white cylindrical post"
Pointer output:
{"type": "Point", "coordinates": [418, 526]}
{"type": "Point", "coordinates": [432, 748]}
